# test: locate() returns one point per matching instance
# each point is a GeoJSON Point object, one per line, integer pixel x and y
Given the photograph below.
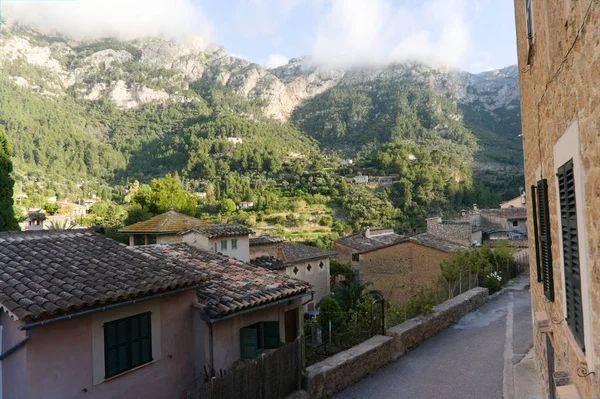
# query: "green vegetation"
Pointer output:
{"type": "Point", "coordinates": [7, 217]}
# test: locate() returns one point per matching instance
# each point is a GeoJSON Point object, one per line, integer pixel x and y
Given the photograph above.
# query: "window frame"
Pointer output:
{"type": "Point", "coordinates": [223, 247]}
{"type": "Point", "coordinates": [234, 243]}
{"type": "Point", "coordinates": [266, 335]}
{"type": "Point", "coordinates": [545, 228]}
{"type": "Point", "coordinates": [128, 344]}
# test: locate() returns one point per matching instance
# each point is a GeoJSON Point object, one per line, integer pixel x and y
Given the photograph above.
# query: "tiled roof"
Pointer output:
{"type": "Point", "coordinates": [265, 240]}
{"type": "Point", "coordinates": [233, 285]}
{"type": "Point", "coordinates": [169, 222]}
{"type": "Point", "coordinates": [51, 273]}
{"type": "Point", "coordinates": [220, 230]}
{"type": "Point", "coordinates": [268, 262]}
{"type": "Point", "coordinates": [436, 243]}
{"type": "Point", "coordinates": [508, 213]}
{"type": "Point", "coordinates": [362, 243]}
{"type": "Point", "coordinates": [294, 253]}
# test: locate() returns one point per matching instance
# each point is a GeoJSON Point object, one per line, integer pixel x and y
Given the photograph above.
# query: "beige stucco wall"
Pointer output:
{"type": "Point", "coordinates": [14, 381]}
{"type": "Point", "coordinates": [399, 271]}
{"type": "Point", "coordinates": [317, 277]}
{"type": "Point", "coordinates": [62, 360]}
{"type": "Point", "coordinates": [560, 118]}
{"type": "Point", "coordinates": [168, 239]}
{"type": "Point", "coordinates": [256, 251]}
{"type": "Point", "coordinates": [226, 333]}
{"type": "Point", "coordinates": [200, 241]}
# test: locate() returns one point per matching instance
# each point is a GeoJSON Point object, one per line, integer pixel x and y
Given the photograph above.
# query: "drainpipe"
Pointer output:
{"type": "Point", "coordinates": [211, 358]}
{"type": "Point", "coordinates": [16, 346]}
{"type": "Point", "coordinates": [312, 297]}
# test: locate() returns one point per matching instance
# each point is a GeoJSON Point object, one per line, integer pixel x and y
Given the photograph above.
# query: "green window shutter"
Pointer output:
{"type": "Point", "coordinates": [127, 344]}
{"type": "Point", "coordinates": [568, 218]}
{"type": "Point", "coordinates": [536, 235]}
{"type": "Point", "coordinates": [545, 239]}
{"type": "Point", "coordinates": [223, 245]}
{"type": "Point", "coordinates": [248, 343]}
{"type": "Point", "coordinates": [233, 243]}
{"type": "Point", "coordinates": [271, 334]}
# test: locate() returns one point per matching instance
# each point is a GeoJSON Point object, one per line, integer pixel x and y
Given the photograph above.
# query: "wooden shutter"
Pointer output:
{"type": "Point", "coordinates": [536, 235]}
{"type": "Point", "coordinates": [248, 343]}
{"type": "Point", "coordinates": [568, 218]}
{"type": "Point", "coordinates": [271, 334]}
{"type": "Point", "coordinates": [529, 21]}
{"type": "Point", "coordinates": [127, 344]}
{"type": "Point", "coordinates": [545, 239]}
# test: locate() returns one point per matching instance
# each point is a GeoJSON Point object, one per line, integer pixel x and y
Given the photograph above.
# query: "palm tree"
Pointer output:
{"type": "Point", "coordinates": [64, 224]}
{"type": "Point", "coordinates": [348, 295]}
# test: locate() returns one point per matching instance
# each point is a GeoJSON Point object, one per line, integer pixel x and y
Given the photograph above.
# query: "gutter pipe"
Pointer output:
{"type": "Point", "coordinates": [16, 346]}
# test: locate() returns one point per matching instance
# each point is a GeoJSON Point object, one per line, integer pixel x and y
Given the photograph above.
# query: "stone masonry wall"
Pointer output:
{"type": "Point", "coordinates": [456, 232]}
{"type": "Point", "coordinates": [344, 369]}
{"type": "Point", "coordinates": [399, 271]}
{"type": "Point", "coordinates": [560, 88]}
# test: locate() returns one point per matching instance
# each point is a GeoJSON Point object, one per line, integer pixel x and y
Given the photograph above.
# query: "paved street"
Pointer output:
{"type": "Point", "coordinates": [472, 359]}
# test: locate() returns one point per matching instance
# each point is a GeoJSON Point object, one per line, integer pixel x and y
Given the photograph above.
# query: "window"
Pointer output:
{"type": "Point", "coordinates": [535, 234]}
{"type": "Point", "coordinates": [127, 344]}
{"type": "Point", "coordinates": [545, 240]}
{"type": "Point", "coordinates": [295, 270]}
{"type": "Point", "coordinates": [570, 241]}
{"type": "Point", "coordinates": [355, 257]}
{"type": "Point", "coordinates": [234, 243]}
{"type": "Point", "coordinates": [309, 267]}
{"type": "Point", "coordinates": [529, 21]}
{"type": "Point", "coordinates": [223, 245]}
{"type": "Point", "coordinates": [321, 265]}
{"type": "Point", "coordinates": [254, 338]}
{"type": "Point", "coordinates": [515, 223]}
{"type": "Point", "coordinates": [216, 249]}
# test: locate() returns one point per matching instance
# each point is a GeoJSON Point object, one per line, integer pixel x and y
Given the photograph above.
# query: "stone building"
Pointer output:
{"type": "Point", "coordinates": [400, 269]}
{"type": "Point", "coordinates": [460, 232]}
{"type": "Point", "coordinates": [348, 248]}
{"type": "Point", "coordinates": [559, 68]}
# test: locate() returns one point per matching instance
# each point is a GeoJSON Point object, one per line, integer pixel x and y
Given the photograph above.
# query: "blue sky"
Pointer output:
{"type": "Point", "coordinates": [473, 35]}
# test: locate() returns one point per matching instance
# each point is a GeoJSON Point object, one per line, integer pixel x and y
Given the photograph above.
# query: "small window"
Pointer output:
{"type": "Point", "coordinates": [309, 267]}
{"type": "Point", "coordinates": [259, 336]}
{"type": "Point", "coordinates": [295, 270]}
{"type": "Point", "coordinates": [234, 243]}
{"type": "Point", "coordinates": [355, 257]}
{"type": "Point", "coordinates": [127, 344]}
{"type": "Point", "coordinates": [515, 223]}
{"type": "Point", "coordinates": [223, 245]}
{"type": "Point", "coordinates": [321, 265]}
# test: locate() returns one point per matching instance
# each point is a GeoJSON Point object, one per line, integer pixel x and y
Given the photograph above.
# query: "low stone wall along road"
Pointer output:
{"type": "Point", "coordinates": [472, 359]}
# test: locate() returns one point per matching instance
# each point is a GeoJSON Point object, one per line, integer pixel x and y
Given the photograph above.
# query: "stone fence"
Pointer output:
{"type": "Point", "coordinates": [344, 369]}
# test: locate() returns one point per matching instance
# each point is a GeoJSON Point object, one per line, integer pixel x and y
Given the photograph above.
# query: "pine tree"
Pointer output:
{"type": "Point", "coordinates": [7, 214]}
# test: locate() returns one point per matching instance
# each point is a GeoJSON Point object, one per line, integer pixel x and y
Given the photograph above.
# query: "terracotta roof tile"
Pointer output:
{"type": "Point", "coordinates": [361, 243]}
{"type": "Point", "coordinates": [86, 257]}
{"type": "Point", "coordinates": [170, 222]}
{"type": "Point", "coordinates": [220, 230]}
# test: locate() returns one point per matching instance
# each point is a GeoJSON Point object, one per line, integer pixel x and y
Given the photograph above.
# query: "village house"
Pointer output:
{"type": "Point", "coordinates": [400, 269]}
{"type": "Point", "coordinates": [34, 221]}
{"type": "Point", "coordinates": [459, 231]}
{"type": "Point", "coordinates": [517, 202]}
{"type": "Point", "coordinates": [160, 229]}
{"type": "Point", "coordinates": [228, 239]}
{"type": "Point", "coordinates": [348, 248]}
{"type": "Point", "coordinates": [559, 82]}
{"type": "Point", "coordinates": [245, 205]}
{"type": "Point", "coordinates": [85, 316]}
{"type": "Point", "coordinates": [305, 263]}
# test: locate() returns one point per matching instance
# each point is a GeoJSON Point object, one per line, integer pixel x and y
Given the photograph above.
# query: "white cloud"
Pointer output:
{"type": "Point", "coordinates": [276, 60]}
{"type": "Point", "coordinates": [123, 19]}
{"type": "Point", "coordinates": [262, 17]}
{"type": "Point", "coordinates": [355, 32]}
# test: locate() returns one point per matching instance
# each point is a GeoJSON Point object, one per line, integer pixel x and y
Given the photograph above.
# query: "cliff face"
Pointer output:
{"type": "Point", "coordinates": [157, 70]}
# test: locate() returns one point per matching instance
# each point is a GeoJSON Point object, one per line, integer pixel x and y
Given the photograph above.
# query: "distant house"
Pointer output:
{"type": "Point", "coordinates": [229, 239]}
{"type": "Point", "coordinates": [83, 315]}
{"type": "Point", "coordinates": [347, 248]}
{"type": "Point", "coordinates": [305, 263]}
{"type": "Point", "coordinates": [245, 205]}
{"type": "Point", "coordinates": [400, 269]}
{"type": "Point", "coordinates": [346, 162]}
{"type": "Point", "coordinates": [160, 229]}
{"type": "Point", "coordinates": [295, 155]}
{"type": "Point", "coordinates": [517, 202]}
{"type": "Point", "coordinates": [200, 194]}
{"type": "Point", "coordinates": [72, 209]}
{"type": "Point", "coordinates": [111, 320]}
{"type": "Point", "coordinates": [235, 140]}
{"type": "Point", "coordinates": [52, 200]}
{"type": "Point", "coordinates": [360, 179]}
{"type": "Point", "coordinates": [458, 231]}
{"type": "Point", "coordinates": [89, 202]}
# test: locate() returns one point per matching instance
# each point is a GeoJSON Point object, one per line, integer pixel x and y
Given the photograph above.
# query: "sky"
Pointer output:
{"type": "Point", "coordinates": [472, 35]}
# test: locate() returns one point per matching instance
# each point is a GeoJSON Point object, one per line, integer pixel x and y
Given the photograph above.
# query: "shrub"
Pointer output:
{"type": "Point", "coordinates": [493, 282]}
{"type": "Point", "coordinates": [330, 309]}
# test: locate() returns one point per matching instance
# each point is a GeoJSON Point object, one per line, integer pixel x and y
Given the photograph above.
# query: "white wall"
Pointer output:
{"type": "Point", "coordinates": [317, 277]}
{"type": "Point", "coordinates": [204, 243]}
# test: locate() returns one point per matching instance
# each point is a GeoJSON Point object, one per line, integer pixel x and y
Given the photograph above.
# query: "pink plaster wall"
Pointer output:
{"type": "Point", "coordinates": [12, 365]}
{"type": "Point", "coordinates": [58, 361]}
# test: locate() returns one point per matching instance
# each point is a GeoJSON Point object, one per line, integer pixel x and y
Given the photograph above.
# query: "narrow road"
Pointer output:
{"type": "Point", "coordinates": [471, 360]}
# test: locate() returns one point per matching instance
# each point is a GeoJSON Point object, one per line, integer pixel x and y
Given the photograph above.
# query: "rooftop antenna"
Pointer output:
{"type": "Point", "coordinates": [171, 207]}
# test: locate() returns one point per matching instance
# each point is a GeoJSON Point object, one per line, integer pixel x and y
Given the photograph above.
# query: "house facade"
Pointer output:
{"type": "Point", "coordinates": [299, 261]}
{"type": "Point", "coordinates": [517, 202]}
{"type": "Point", "coordinates": [229, 239]}
{"type": "Point", "coordinates": [399, 270]}
{"type": "Point", "coordinates": [559, 81]}
{"type": "Point", "coordinates": [348, 248]}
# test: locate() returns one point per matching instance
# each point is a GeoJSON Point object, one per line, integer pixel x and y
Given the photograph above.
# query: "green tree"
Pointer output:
{"type": "Point", "coordinates": [7, 216]}
{"type": "Point", "coordinates": [348, 295]}
{"type": "Point", "coordinates": [228, 206]}
{"type": "Point", "coordinates": [51, 207]}
{"type": "Point", "coordinates": [330, 310]}
{"type": "Point", "coordinates": [137, 213]}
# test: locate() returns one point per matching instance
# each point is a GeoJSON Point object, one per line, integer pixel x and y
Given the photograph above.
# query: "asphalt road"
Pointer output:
{"type": "Point", "coordinates": [471, 360]}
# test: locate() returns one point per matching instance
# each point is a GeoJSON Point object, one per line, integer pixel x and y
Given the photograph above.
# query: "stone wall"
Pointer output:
{"type": "Point", "coordinates": [458, 232]}
{"type": "Point", "coordinates": [560, 98]}
{"type": "Point", "coordinates": [344, 369]}
{"type": "Point", "coordinates": [399, 271]}
{"type": "Point", "coordinates": [414, 331]}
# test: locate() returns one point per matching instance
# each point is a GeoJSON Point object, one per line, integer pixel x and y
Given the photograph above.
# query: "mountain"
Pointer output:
{"type": "Point", "coordinates": [106, 110]}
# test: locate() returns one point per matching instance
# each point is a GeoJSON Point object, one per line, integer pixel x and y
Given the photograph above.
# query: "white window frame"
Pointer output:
{"type": "Point", "coordinates": [565, 149]}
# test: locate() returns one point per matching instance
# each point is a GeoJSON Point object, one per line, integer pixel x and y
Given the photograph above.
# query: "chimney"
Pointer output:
{"type": "Point", "coordinates": [463, 212]}
{"type": "Point", "coordinates": [368, 232]}
{"type": "Point", "coordinates": [475, 207]}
